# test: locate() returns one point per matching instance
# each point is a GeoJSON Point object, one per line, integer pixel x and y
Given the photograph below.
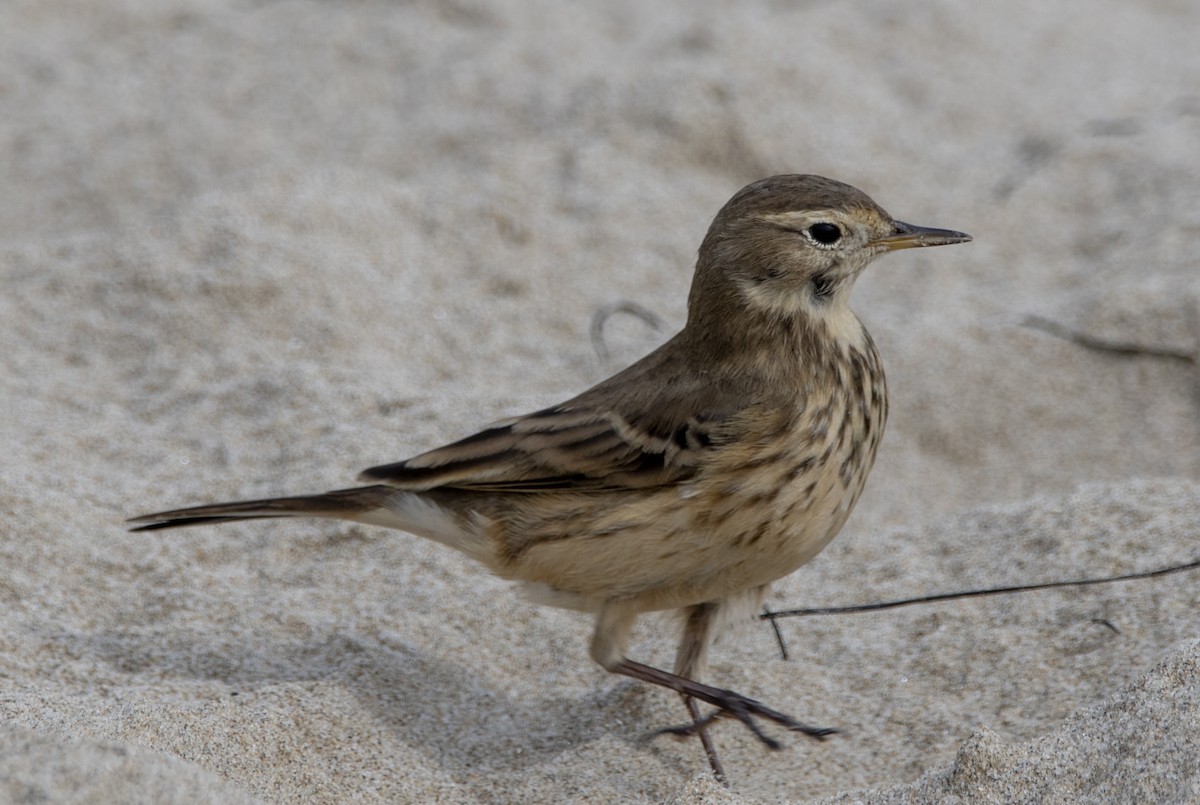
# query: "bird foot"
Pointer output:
{"type": "Point", "coordinates": [729, 704]}
{"type": "Point", "coordinates": [745, 710]}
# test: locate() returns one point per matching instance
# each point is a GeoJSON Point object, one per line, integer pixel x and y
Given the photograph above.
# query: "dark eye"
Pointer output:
{"type": "Point", "coordinates": [827, 234]}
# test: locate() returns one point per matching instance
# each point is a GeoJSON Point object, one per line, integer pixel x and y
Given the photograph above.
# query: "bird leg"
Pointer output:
{"type": "Point", "coordinates": [613, 624]}
{"type": "Point", "coordinates": [699, 726]}
{"type": "Point", "coordinates": [729, 704]}
{"type": "Point", "coordinates": [699, 621]}
{"type": "Point", "coordinates": [690, 660]}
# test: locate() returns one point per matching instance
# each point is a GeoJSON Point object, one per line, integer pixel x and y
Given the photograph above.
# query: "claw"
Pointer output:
{"type": "Point", "coordinates": [729, 704]}
{"type": "Point", "coordinates": [688, 730]}
{"type": "Point", "coordinates": [736, 708]}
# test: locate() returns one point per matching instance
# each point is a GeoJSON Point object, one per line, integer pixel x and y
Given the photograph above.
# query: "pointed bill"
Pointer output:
{"type": "Point", "coordinates": [911, 236]}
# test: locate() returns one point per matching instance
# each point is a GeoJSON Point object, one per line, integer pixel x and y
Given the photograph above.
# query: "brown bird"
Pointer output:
{"type": "Point", "coordinates": [720, 462]}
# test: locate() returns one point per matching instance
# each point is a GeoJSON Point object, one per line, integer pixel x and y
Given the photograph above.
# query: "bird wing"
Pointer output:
{"type": "Point", "coordinates": [635, 430]}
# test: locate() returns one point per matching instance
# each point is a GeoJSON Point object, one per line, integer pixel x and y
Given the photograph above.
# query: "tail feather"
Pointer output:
{"type": "Point", "coordinates": [415, 512]}
{"type": "Point", "coordinates": [343, 504]}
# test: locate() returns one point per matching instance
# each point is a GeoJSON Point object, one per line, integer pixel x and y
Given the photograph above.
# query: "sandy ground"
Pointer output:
{"type": "Point", "coordinates": [250, 248]}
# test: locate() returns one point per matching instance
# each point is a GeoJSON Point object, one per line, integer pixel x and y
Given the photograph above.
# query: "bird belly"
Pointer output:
{"type": "Point", "coordinates": [684, 545]}
{"type": "Point", "coordinates": [764, 504]}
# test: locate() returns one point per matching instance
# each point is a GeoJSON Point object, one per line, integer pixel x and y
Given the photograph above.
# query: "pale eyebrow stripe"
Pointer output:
{"type": "Point", "coordinates": [794, 218]}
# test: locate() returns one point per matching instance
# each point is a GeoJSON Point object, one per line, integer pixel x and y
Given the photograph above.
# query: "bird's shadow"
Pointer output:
{"type": "Point", "coordinates": [455, 718]}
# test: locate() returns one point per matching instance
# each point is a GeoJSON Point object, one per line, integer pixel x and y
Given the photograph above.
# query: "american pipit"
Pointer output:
{"type": "Point", "coordinates": [720, 462]}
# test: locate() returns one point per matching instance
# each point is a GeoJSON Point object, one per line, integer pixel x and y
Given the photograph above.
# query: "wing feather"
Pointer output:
{"type": "Point", "coordinates": [646, 426]}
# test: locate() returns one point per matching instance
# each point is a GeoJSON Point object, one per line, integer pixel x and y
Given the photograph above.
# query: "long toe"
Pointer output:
{"type": "Point", "coordinates": [746, 710]}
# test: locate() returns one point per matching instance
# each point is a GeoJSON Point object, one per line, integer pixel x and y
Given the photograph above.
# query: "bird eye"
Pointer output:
{"type": "Point", "coordinates": [825, 234]}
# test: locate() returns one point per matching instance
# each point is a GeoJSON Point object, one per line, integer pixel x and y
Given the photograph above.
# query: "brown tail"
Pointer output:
{"type": "Point", "coordinates": [342, 504]}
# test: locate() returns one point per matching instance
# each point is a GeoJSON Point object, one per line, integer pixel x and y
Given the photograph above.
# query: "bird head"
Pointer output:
{"type": "Point", "coordinates": [793, 245]}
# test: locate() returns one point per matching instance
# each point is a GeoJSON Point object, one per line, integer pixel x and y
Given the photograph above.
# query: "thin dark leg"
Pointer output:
{"type": "Point", "coordinates": [699, 724]}
{"type": "Point", "coordinates": [729, 703]}
{"type": "Point", "coordinates": [689, 663]}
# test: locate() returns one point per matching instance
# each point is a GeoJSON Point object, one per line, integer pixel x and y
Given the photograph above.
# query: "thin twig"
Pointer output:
{"type": "Point", "coordinates": [774, 619]}
{"type": "Point", "coordinates": [601, 317]}
{"type": "Point", "coordinates": [927, 599]}
{"type": "Point", "coordinates": [1102, 345]}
